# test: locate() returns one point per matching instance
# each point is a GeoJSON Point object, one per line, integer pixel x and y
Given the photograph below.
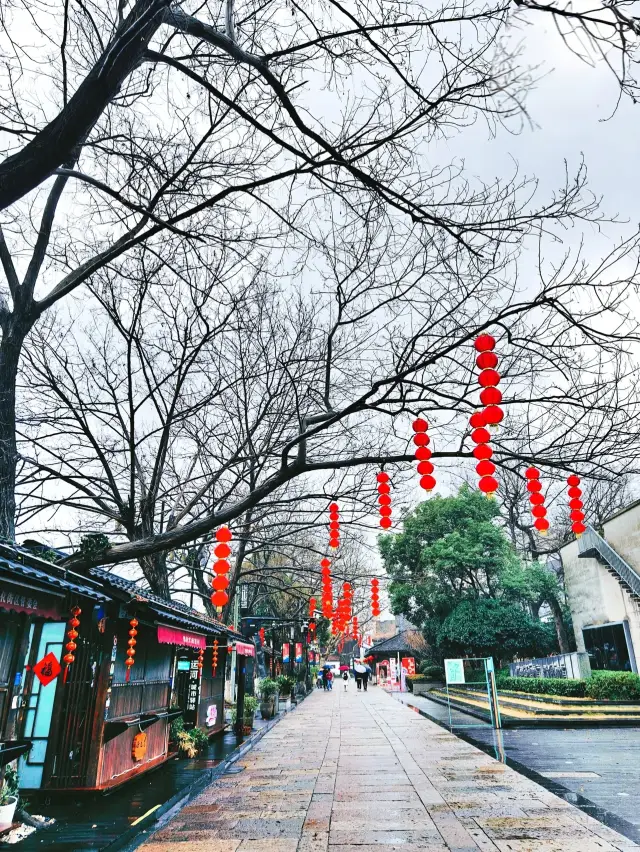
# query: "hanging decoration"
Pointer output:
{"type": "Point", "coordinates": [354, 627]}
{"type": "Point", "coordinates": [423, 454]}
{"type": "Point", "coordinates": [327, 591]}
{"type": "Point", "coordinates": [576, 505]}
{"type": "Point", "coordinates": [334, 525]}
{"type": "Point", "coordinates": [312, 607]}
{"type": "Point", "coordinates": [221, 568]}
{"type": "Point", "coordinates": [384, 499]}
{"type": "Point", "coordinates": [200, 661]}
{"type": "Point", "coordinates": [490, 416]}
{"type": "Point", "coordinates": [131, 649]}
{"type": "Point", "coordinates": [375, 597]}
{"type": "Point", "coordinates": [536, 498]}
{"type": "Point", "coordinates": [214, 658]}
{"type": "Point", "coordinates": [72, 635]}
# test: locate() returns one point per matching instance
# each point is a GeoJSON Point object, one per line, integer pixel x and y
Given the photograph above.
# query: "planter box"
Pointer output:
{"type": "Point", "coordinates": [284, 704]}
{"type": "Point", "coordinates": [6, 813]}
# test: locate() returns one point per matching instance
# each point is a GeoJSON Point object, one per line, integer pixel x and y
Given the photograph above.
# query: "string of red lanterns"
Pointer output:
{"type": "Point", "coordinates": [327, 591]}
{"type": "Point", "coordinates": [423, 454]}
{"type": "Point", "coordinates": [536, 498]}
{"type": "Point", "coordinates": [221, 568]}
{"type": "Point", "coordinates": [72, 635]}
{"type": "Point", "coordinates": [312, 607]}
{"type": "Point", "coordinates": [131, 650]}
{"type": "Point", "coordinates": [334, 525]}
{"type": "Point", "coordinates": [214, 658]}
{"type": "Point", "coordinates": [375, 599]}
{"type": "Point", "coordinates": [576, 505]}
{"type": "Point", "coordinates": [491, 414]}
{"type": "Point", "coordinates": [384, 499]}
{"type": "Point", "coordinates": [354, 627]}
{"type": "Point", "coordinates": [200, 661]}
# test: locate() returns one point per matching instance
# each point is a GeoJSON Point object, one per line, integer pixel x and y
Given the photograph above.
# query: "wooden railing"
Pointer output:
{"type": "Point", "coordinates": [131, 699]}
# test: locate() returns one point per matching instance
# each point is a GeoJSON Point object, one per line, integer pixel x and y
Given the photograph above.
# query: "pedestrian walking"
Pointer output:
{"type": "Point", "coordinates": [329, 680]}
{"type": "Point", "coordinates": [358, 678]}
{"type": "Point", "coordinates": [345, 680]}
{"type": "Point", "coordinates": [365, 679]}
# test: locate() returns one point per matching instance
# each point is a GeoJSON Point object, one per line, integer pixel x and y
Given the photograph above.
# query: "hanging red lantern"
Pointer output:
{"type": "Point", "coordinates": [534, 485]}
{"type": "Point", "coordinates": [354, 627]}
{"type": "Point", "coordinates": [493, 415]}
{"type": "Point", "coordinates": [423, 453]}
{"type": "Point", "coordinates": [536, 499]}
{"type": "Point", "coordinates": [576, 505]}
{"type": "Point", "coordinates": [312, 607]}
{"type": "Point", "coordinates": [490, 396]}
{"type": "Point", "coordinates": [480, 436]}
{"type": "Point", "coordinates": [487, 360]}
{"type": "Point", "coordinates": [539, 511]}
{"type": "Point", "coordinates": [384, 497]}
{"type": "Point", "coordinates": [131, 650]}
{"type": "Point", "coordinates": [532, 473]}
{"type": "Point", "coordinates": [477, 421]}
{"type": "Point", "coordinates": [489, 378]}
{"type": "Point", "coordinates": [484, 343]}
{"type": "Point", "coordinates": [262, 633]}
{"type": "Point", "coordinates": [334, 531]}
{"type": "Point", "coordinates": [221, 568]}
{"type": "Point", "coordinates": [200, 661]}
{"type": "Point", "coordinates": [485, 468]}
{"type": "Point", "coordinates": [72, 635]}
{"type": "Point", "coordinates": [482, 452]}
{"type": "Point", "coordinates": [488, 485]}
{"type": "Point", "coordinates": [542, 525]}
{"type": "Point", "coordinates": [214, 657]}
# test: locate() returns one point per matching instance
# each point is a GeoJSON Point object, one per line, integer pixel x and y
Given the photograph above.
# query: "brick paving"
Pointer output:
{"type": "Point", "coordinates": [360, 772]}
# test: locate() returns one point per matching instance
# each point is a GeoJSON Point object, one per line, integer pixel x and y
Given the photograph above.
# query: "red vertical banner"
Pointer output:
{"type": "Point", "coordinates": [298, 652]}
{"type": "Point", "coordinates": [285, 652]}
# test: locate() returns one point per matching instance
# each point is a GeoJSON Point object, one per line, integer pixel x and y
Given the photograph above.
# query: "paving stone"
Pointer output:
{"type": "Point", "coordinates": [360, 772]}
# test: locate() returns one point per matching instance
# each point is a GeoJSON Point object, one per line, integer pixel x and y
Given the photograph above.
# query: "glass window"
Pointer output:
{"type": "Point", "coordinates": [607, 648]}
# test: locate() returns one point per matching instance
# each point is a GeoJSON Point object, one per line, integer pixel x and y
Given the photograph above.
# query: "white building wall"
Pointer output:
{"type": "Point", "coordinates": [594, 595]}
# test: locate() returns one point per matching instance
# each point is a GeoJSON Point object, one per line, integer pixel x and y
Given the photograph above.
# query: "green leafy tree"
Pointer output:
{"type": "Point", "coordinates": [494, 628]}
{"type": "Point", "coordinates": [451, 550]}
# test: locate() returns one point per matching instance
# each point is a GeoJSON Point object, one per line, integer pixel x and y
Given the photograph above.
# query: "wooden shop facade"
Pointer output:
{"type": "Point", "coordinates": [92, 671]}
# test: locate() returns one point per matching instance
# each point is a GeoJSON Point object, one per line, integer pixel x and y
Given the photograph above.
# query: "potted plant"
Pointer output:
{"type": "Point", "coordinates": [268, 689]}
{"type": "Point", "coordinates": [250, 707]}
{"type": "Point", "coordinates": [8, 797]}
{"type": "Point", "coordinates": [285, 685]}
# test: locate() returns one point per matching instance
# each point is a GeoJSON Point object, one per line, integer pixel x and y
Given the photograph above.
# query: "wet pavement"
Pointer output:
{"type": "Point", "coordinates": [361, 772]}
{"type": "Point", "coordinates": [596, 768]}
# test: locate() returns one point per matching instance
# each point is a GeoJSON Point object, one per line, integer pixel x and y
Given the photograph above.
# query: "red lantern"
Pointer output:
{"type": "Point", "coordinates": [221, 568]}
{"type": "Point", "coordinates": [214, 655]}
{"type": "Point", "coordinates": [334, 525]}
{"type": "Point", "coordinates": [420, 425]}
{"type": "Point", "coordinates": [425, 467]}
{"type": "Point", "coordinates": [477, 421]}
{"type": "Point", "coordinates": [131, 650]}
{"type": "Point", "coordinates": [487, 360]}
{"type": "Point", "coordinates": [534, 485]}
{"type": "Point", "coordinates": [493, 415]}
{"type": "Point", "coordinates": [536, 499]}
{"type": "Point", "coordinates": [576, 515]}
{"type": "Point", "coordinates": [384, 498]}
{"type": "Point", "coordinates": [573, 480]}
{"type": "Point", "coordinates": [575, 492]}
{"type": "Point", "coordinates": [490, 396]}
{"type": "Point", "coordinates": [532, 473]}
{"type": "Point", "coordinates": [542, 525]}
{"type": "Point", "coordinates": [480, 436]}
{"type": "Point", "coordinates": [263, 635]}
{"type": "Point", "coordinates": [200, 661]}
{"type": "Point", "coordinates": [72, 635]}
{"type": "Point", "coordinates": [421, 439]}
{"type": "Point", "coordinates": [489, 378]}
{"type": "Point", "coordinates": [482, 452]}
{"type": "Point", "coordinates": [427, 482]}
{"type": "Point", "coordinates": [312, 607]}
{"type": "Point", "coordinates": [578, 528]}
{"type": "Point", "coordinates": [485, 468]}
{"type": "Point", "coordinates": [488, 485]}
{"type": "Point", "coordinates": [576, 505]}
{"type": "Point", "coordinates": [423, 453]}
{"type": "Point", "coordinates": [484, 343]}
{"type": "Point", "coordinates": [539, 512]}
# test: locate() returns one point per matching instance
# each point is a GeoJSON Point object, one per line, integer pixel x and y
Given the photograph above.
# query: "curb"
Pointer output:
{"type": "Point", "coordinates": [158, 818]}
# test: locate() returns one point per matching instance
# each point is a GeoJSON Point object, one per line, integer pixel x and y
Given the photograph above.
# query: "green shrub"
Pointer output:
{"type": "Point", "coordinates": [9, 785]}
{"type": "Point", "coordinates": [544, 686]}
{"type": "Point", "coordinates": [200, 738]}
{"type": "Point", "coordinates": [267, 688]}
{"type": "Point", "coordinates": [614, 686]}
{"type": "Point", "coordinates": [432, 672]}
{"type": "Point", "coordinates": [285, 685]}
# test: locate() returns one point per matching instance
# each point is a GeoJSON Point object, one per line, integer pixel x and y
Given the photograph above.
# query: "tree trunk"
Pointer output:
{"type": "Point", "coordinates": [10, 349]}
{"type": "Point", "coordinates": [154, 569]}
{"type": "Point", "coordinates": [561, 632]}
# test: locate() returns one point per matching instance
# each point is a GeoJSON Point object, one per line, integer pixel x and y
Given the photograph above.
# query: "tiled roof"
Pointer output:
{"type": "Point", "coordinates": [51, 579]}
{"type": "Point", "coordinates": [408, 640]}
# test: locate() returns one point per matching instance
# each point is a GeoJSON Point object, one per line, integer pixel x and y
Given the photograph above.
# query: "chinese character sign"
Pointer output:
{"type": "Point", "coordinates": [285, 652]}
{"type": "Point", "coordinates": [409, 664]}
{"type": "Point", "coordinates": [454, 671]}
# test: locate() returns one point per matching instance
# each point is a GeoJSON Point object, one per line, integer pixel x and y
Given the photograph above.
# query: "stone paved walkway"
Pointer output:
{"type": "Point", "coordinates": [360, 772]}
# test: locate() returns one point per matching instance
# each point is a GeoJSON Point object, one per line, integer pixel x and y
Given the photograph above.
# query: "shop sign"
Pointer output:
{"type": "Point", "coordinates": [285, 652]}
{"type": "Point", "coordinates": [47, 669]}
{"type": "Point", "coordinates": [31, 603]}
{"type": "Point", "coordinates": [176, 636]}
{"type": "Point", "coordinates": [298, 652]}
{"type": "Point", "coordinates": [212, 715]}
{"type": "Point", "coordinates": [139, 746]}
{"type": "Point", "coordinates": [409, 664]}
{"type": "Point", "coordinates": [245, 649]}
{"type": "Point", "coordinates": [193, 693]}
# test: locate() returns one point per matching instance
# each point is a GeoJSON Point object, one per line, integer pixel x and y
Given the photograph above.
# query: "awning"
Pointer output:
{"type": "Point", "coordinates": [176, 636]}
{"type": "Point", "coordinates": [244, 649]}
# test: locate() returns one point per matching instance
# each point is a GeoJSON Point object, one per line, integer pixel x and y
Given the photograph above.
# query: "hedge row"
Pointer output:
{"type": "Point", "coordinates": [603, 686]}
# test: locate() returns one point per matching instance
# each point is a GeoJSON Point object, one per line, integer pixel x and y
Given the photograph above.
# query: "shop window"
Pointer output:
{"type": "Point", "coordinates": [607, 648]}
